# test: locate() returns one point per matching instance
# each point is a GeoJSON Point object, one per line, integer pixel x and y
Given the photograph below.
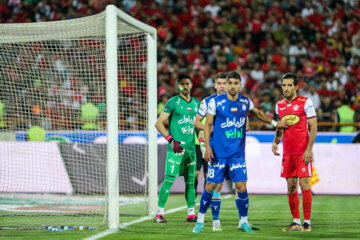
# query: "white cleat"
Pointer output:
{"type": "Point", "coordinates": [217, 226]}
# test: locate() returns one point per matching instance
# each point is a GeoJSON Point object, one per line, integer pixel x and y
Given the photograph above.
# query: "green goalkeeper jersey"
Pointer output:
{"type": "Point", "coordinates": [181, 121]}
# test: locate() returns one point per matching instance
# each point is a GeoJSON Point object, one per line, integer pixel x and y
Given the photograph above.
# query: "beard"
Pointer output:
{"type": "Point", "coordinates": [185, 92]}
{"type": "Point", "coordinates": [232, 93]}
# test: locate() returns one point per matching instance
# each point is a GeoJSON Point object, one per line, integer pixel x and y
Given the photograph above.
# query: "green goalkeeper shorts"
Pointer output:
{"type": "Point", "coordinates": [180, 165]}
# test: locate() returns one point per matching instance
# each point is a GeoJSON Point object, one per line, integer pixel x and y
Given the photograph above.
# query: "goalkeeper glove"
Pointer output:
{"type": "Point", "coordinates": [202, 147]}
{"type": "Point", "coordinates": [175, 145]}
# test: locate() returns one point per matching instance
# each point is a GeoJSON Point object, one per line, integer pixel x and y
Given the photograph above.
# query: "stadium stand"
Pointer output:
{"type": "Point", "coordinates": [318, 40]}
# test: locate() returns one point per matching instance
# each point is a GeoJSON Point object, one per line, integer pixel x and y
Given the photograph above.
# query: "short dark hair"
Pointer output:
{"type": "Point", "coordinates": [221, 75]}
{"type": "Point", "coordinates": [184, 76]}
{"type": "Point", "coordinates": [233, 75]}
{"type": "Point", "coordinates": [290, 75]}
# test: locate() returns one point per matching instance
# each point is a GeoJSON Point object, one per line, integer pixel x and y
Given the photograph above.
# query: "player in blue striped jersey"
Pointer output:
{"type": "Point", "coordinates": [227, 114]}
{"type": "Point", "coordinates": [219, 85]}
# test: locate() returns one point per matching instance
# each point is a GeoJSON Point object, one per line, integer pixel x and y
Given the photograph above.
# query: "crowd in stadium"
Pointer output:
{"type": "Point", "coordinates": [319, 40]}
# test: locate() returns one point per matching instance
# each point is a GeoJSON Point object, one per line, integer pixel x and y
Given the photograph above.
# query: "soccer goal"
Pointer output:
{"type": "Point", "coordinates": [78, 146]}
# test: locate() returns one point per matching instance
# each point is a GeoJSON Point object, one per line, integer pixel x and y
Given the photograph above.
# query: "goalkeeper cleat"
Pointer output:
{"type": "Point", "coordinates": [217, 226]}
{"type": "Point", "coordinates": [245, 227]}
{"type": "Point", "coordinates": [306, 227]}
{"type": "Point", "coordinates": [292, 227]}
{"type": "Point", "coordinates": [191, 218]}
{"type": "Point", "coordinates": [159, 219]}
{"type": "Point", "coordinates": [198, 227]}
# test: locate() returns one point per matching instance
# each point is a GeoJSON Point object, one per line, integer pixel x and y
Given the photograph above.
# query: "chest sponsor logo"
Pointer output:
{"type": "Point", "coordinates": [220, 103]}
{"type": "Point", "coordinates": [296, 107]}
{"type": "Point", "coordinates": [234, 133]}
{"type": "Point", "coordinates": [187, 119]}
{"type": "Point", "coordinates": [233, 122]}
{"type": "Point", "coordinates": [283, 108]}
{"type": "Point", "coordinates": [289, 105]}
{"type": "Point", "coordinates": [291, 119]}
{"type": "Point", "coordinates": [187, 130]}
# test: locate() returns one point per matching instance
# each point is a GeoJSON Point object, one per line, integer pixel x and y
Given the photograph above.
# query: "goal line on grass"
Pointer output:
{"type": "Point", "coordinates": [124, 225]}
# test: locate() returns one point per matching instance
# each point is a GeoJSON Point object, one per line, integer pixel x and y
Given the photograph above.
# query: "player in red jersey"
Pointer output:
{"type": "Point", "coordinates": [300, 113]}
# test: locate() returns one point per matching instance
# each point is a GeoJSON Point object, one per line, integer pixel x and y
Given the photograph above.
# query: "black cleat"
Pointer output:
{"type": "Point", "coordinates": [306, 227]}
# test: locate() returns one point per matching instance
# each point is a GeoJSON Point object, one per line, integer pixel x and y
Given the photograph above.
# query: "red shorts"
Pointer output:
{"type": "Point", "coordinates": [294, 166]}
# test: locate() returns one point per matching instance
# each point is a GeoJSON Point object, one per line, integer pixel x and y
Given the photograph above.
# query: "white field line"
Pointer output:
{"type": "Point", "coordinates": [124, 225]}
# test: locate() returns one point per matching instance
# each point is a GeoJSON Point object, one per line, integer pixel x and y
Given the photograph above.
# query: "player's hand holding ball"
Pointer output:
{"type": "Point", "coordinates": [175, 145]}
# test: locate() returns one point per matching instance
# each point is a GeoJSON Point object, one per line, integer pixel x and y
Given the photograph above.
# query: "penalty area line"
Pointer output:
{"type": "Point", "coordinates": [124, 225]}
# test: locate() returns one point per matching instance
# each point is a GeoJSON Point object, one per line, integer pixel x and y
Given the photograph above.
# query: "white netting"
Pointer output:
{"type": "Point", "coordinates": [53, 122]}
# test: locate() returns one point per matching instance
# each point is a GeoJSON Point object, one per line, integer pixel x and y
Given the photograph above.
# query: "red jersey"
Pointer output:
{"type": "Point", "coordinates": [296, 113]}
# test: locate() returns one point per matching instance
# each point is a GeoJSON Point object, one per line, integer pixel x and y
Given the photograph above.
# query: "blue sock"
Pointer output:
{"type": "Point", "coordinates": [243, 203]}
{"type": "Point", "coordinates": [215, 208]}
{"type": "Point", "coordinates": [205, 201]}
{"type": "Point", "coordinates": [237, 201]}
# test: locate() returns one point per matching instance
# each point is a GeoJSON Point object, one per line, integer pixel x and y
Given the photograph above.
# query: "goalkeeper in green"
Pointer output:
{"type": "Point", "coordinates": [181, 157]}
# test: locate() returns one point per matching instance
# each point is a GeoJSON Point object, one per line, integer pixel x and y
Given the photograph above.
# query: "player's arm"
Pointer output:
{"type": "Point", "coordinates": [312, 123]}
{"type": "Point", "coordinates": [278, 136]}
{"type": "Point", "coordinates": [207, 131]}
{"type": "Point", "coordinates": [160, 126]}
{"type": "Point", "coordinates": [264, 118]}
{"type": "Point", "coordinates": [198, 123]}
{"type": "Point", "coordinates": [247, 124]}
{"type": "Point", "coordinates": [313, 130]}
{"type": "Point", "coordinates": [200, 115]}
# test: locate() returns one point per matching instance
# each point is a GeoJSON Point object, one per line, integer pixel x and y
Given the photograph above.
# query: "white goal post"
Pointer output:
{"type": "Point", "coordinates": [111, 44]}
{"type": "Point", "coordinates": [89, 85]}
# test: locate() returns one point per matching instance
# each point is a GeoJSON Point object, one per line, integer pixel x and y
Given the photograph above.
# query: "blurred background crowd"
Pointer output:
{"type": "Point", "coordinates": [319, 40]}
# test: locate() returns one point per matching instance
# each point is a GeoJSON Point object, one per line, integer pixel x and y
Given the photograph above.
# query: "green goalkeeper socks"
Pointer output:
{"type": "Point", "coordinates": [165, 190]}
{"type": "Point", "coordinates": [190, 192]}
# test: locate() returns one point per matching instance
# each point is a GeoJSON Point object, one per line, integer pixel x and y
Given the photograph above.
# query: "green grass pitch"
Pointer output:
{"type": "Point", "coordinates": [333, 217]}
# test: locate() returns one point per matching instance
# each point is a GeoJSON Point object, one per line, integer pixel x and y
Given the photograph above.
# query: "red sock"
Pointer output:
{"type": "Point", "coordinates": [307, 200]}
{"type": "Point", "coordinates": [294, 204]}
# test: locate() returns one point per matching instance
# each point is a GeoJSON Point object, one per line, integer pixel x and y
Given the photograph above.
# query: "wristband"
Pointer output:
{"type": "Point", "coordinates": [274, 123]}
{"type": "Point", "coordinates": [168, 138]}
{"type": "Point", "coordinates": [201, 140]}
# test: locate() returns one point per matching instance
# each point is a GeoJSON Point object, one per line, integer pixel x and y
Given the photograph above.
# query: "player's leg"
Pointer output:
{"type": "Point", "coordinates": [172, 169]}
{"type": "Point", "coordinates": [238, 174]}
{"type": "Point", "coordinates": [214, 176]}
{"type": "Point", "coordinates": [307, 201]}
{"type": "Point", "coordinates": [189, 177]}
{"type": "Point", "coordinates": [198, 166]}
{"type": "Point", "coordinates": [215, 207]}
{"type": "Point", "coordinates": [289, 171]}
{"type": "Point", "coordinates": [243, 206]}
{"type": "Point", "coordinates": [304, 173]}
{"type": "Point", "coordinates": [293, 199]}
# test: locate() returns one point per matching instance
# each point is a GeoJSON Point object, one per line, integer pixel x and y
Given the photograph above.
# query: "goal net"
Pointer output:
{"type": "Point", "coordinates": [77, 102]}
